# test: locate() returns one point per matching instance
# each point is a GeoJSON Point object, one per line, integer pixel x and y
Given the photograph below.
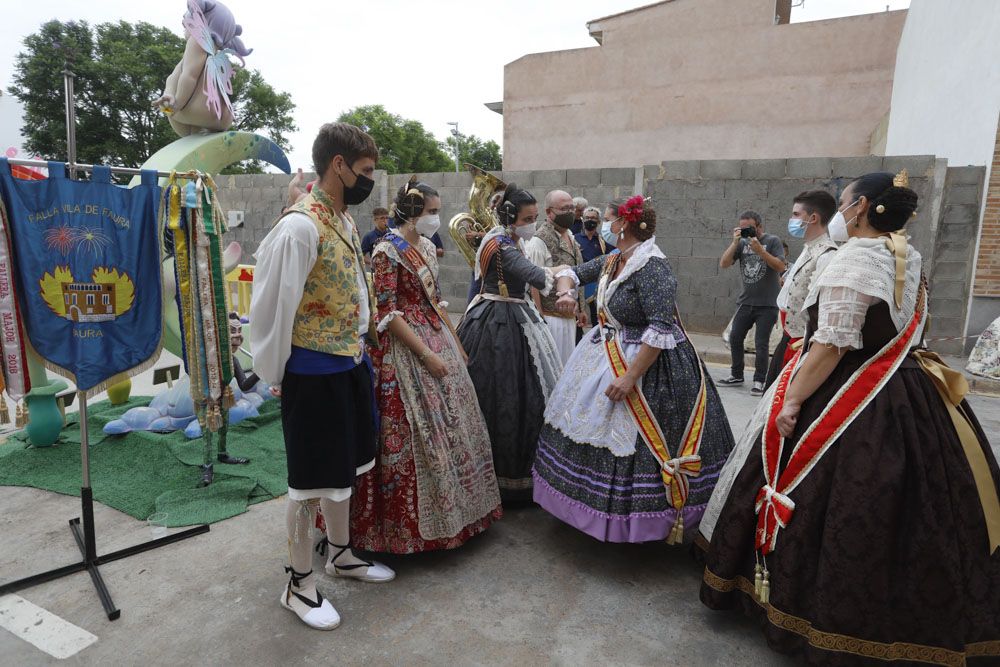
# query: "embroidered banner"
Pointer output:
{"type": "Point", "coordinates": [15, 359]}
{"type": "Point", "coordinates": [86, 257]}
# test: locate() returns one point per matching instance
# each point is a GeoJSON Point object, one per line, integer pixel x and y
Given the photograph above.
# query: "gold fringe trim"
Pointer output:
{"type": "Point", "coordinates": [829, 641]}
{"type": "Point", "coordinates": [114, 379]}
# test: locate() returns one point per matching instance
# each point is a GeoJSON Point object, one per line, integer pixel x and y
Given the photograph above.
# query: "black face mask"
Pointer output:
{"type": "Point", "coordinates": [564, 220]}
{"type": "Point", "coordinates": [358, 192]}
{"type": "Point", "coordinates": [590, 225]}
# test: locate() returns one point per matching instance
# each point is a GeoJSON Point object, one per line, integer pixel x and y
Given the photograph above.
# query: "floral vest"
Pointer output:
{"type": "Point", "coordinates": [327, 317]}
{"type": "Point", "coordinates": [561, 254]}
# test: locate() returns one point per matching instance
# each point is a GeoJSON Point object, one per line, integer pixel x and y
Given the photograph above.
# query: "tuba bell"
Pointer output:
{"type": "Point", "coordinates": [467, 229]}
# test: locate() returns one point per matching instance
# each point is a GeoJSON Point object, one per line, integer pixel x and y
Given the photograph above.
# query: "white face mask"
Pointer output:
{"type": "Point", "coordinates": [525, 232]}
{"type": "Point", "coordinates": [838, 226]}
{"type": "Point", "coordinates": [606, 233]}
{"type": "Point", "coordinates": [428, 225]}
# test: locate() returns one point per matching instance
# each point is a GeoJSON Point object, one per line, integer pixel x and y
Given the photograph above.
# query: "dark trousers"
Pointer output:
{"type": "Point", "coordinates": [763, 317]}
{"type": "Point", "coordinates": [777, 360]}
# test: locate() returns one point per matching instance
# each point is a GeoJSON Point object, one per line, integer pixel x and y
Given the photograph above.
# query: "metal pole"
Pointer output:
{"type": "Point", "coordinates": [86, 497]}
{"type": "Point", "coordinates": [454, 133]}
{"type": "Point", "coordinates": [68, 77]}
{"type": "Point", "coordinates": [89, 167]}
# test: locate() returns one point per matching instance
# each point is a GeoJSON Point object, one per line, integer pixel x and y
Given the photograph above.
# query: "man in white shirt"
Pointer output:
{"type": "Point", "coordinates": [311, 310]}
{"type": "Point", "coordinates": [811, 213]}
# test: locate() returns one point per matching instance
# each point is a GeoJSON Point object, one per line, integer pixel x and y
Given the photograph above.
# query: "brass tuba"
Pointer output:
{"type": "Point", "coordinates": [467, 229]}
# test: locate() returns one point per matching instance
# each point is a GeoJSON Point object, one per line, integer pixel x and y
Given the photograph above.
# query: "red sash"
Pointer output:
{"type": "Point", "coordinates": [674, 471]}
{"type": "Point", "coordinates": [773, 506]}
{"type": "Point", "coordinates": [790, 348]}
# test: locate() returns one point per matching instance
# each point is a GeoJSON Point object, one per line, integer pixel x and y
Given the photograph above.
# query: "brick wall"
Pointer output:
{"type": "Point", "coordinates": [987, 282]}
{"type": "Point", "coordinates": [985, 303]}
{"type": "Point", "coordinates": [697, 203]}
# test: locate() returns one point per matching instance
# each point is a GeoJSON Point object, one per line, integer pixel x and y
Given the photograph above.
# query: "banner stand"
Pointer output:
{"type": "Point", "coordinates": [83, 530]}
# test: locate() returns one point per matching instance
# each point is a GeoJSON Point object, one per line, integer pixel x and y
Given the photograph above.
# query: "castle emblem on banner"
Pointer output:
{"type": "Point", "coordinates": [108, 295]}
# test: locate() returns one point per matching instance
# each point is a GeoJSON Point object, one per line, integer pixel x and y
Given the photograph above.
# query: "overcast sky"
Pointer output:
{"type": "Point", "coordinates": [431, 60]}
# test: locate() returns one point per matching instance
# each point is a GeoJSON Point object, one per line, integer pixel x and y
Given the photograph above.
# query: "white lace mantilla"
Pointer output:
{"type": "Point", "coordinates": [548, 363]}
{"type": "Point", "coordinates": [748, 441]}
{"type": "Point", "coordinates": [646, 251]}
{"type": "Point", "coordinates": [867, 267]}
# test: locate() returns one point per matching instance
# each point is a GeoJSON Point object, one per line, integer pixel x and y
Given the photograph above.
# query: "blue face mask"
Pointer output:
{"type": "Point", "coordinates": [609, 236]}
{"type": "Point", "coordinates": [796, 227]}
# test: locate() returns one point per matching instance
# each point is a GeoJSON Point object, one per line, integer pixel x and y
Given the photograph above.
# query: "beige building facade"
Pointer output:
{"type": "Point", "coordinates": [703, 79]}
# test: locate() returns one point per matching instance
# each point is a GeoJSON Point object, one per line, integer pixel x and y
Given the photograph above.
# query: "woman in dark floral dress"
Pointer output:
{"type": "Point", "coordinates": [599, 467]}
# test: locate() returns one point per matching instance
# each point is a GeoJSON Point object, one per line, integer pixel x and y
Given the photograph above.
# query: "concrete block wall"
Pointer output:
{"type": "Point", "coordinates": [954, 258]}
{"type": "Point", "coordinates": [261, 198]}
{"type": "Point", "coordinates": [697, 204]}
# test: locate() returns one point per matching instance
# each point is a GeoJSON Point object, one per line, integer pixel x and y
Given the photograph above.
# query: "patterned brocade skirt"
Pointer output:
{"type": "Point", "coordinates": [885, 558]}
{"type": "Point", "coordinates": [433, 485]}
{"type": "Point", "coordinates": [507, 344]}
{"type": "Point", "coordinates": [594, 472]}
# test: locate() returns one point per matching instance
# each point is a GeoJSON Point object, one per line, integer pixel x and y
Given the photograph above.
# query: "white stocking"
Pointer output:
{"type": "Point", "coordinates": [300, 516]}
{"type": "Point", "coordinates": [338, 529]}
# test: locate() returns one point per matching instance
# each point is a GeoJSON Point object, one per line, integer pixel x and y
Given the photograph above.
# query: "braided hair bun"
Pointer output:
{"type": "Point", "coordinates": [890, 206]}
{"type": "Point", "coordinates": [514, 199]}
{"type": "Point", "coordinates": [409, 202]}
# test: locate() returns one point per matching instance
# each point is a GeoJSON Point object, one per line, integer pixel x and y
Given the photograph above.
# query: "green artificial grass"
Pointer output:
{"type": "Point", "coordinates": [140, 473]}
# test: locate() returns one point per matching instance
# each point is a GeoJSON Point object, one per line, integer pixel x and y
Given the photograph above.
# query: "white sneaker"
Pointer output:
{"type": "Point", "coordinates": [364, 570]}
{"type": "Point", "coordinates": [302, 598]}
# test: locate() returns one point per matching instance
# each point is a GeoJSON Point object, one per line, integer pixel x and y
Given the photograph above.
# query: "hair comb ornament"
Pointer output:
{"type": "Point", "coordinates": [901, 180]}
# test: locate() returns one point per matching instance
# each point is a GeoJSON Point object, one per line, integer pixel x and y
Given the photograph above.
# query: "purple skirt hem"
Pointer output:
{"type": "Point", "coordinates": [633, 528]}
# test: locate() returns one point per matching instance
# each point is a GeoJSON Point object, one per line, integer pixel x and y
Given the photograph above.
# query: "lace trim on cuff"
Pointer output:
{"type": "Point", "coordinates": [384, 323]}
{"type": "Point", "coordinates": [569, 273]}
{"type": "Point", "coordinates": [550, 281]}
{"type": "Point", "coordinates": [842, 338]}
{"type": "Point", "coordinates": [658, 338]}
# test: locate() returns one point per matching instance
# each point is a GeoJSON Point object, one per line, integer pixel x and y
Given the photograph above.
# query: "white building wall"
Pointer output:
{"type": "Point", "coordinates": [946, 92]}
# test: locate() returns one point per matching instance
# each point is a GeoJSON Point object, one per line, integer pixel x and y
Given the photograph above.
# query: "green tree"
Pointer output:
{"type": "Point", "coordinates": [120, 68]}
{"type": "Point", "coordinates": [404, 145]}
{"type": "Point", "coordinates": [472, 149]}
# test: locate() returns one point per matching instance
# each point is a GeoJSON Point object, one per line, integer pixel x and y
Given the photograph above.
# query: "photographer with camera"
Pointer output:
{"type": "Point", "coordinates": [762, 260]}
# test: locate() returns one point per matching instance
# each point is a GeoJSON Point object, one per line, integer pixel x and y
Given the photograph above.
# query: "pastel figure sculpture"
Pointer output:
{"type": "Point", "coordinates": [196, 95]}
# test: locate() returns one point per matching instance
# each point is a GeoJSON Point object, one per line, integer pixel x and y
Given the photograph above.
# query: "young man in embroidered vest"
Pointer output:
{"type": "Point", "coordinates": [313, 306]}
{"type": "Point", "coordinates": [811, 213]}
{"type": "Point", "coordinates": [554, 245]}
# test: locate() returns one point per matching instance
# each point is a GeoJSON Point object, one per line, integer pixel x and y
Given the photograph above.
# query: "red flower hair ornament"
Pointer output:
{"type": "Point", "coordinates": [632, 209]}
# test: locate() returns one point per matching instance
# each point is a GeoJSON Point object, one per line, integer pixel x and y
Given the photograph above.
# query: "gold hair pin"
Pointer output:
{"type": "Point", "coordinates": [901, 180]}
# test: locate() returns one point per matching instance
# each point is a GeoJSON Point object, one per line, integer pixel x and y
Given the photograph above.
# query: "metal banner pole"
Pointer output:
{"type": "Point", "coordinates": [85, 535]}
